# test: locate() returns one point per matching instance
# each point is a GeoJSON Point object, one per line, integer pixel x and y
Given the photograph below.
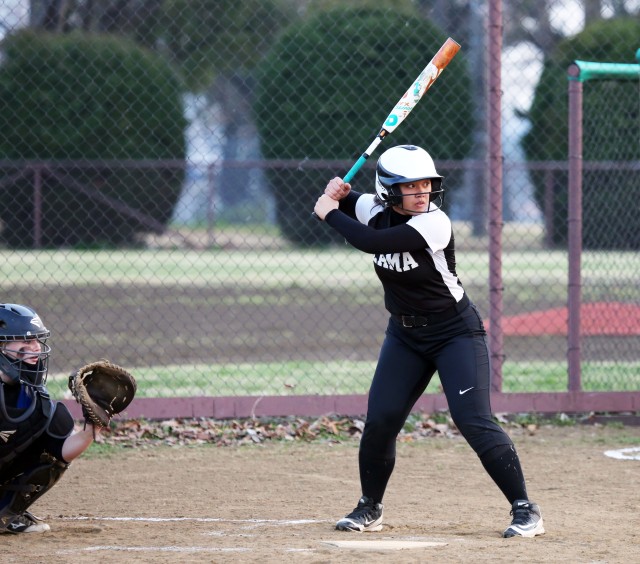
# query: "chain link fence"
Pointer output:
{"type": "Point", "coordinates": [159, 162]}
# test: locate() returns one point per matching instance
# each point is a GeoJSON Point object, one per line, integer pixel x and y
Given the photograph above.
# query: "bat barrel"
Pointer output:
{"type": "Point", "coordinates": [447, 52]}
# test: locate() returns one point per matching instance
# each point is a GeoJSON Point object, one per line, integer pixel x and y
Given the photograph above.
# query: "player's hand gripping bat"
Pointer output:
{"type": "Point", "coordinates": [409, 100]}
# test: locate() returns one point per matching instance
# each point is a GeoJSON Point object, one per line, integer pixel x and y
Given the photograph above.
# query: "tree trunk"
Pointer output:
{"type": "Point", "coordinates": [241, 191]}
{"type": "Point", "coordinates": [592, 11]}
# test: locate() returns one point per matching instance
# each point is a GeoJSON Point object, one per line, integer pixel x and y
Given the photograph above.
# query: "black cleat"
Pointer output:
{"type": "Point", "coordinates": [527, 520]}
{"type": "Point", "coordinates": [26, 523]}
{"type": "Point", "coordinates": [366, 517]}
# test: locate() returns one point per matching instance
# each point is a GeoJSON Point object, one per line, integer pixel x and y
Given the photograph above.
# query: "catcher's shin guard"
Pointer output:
{"type": "Point", "coordinates": [26, 488]}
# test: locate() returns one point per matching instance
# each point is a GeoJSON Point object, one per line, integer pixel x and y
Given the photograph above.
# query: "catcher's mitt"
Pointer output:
{"type": "Point", "coordinates": [103, 389]}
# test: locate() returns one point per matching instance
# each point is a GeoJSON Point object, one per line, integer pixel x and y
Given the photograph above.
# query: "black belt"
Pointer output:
{"type": "Point", "coordinates": [432, 318]}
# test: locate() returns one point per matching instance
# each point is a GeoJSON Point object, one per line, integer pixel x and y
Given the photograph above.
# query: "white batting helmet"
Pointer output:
{"type": "Point", "coordinates": [404, 163]}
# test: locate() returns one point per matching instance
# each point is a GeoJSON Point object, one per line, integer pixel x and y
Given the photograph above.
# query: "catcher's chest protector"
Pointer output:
{"type": "Point", "coordinates": [18, 432]}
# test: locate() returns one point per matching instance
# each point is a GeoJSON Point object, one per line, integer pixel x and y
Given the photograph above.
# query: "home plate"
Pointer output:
{"type": "Point", "coordinates": [382, 544]}
{"type": "Point", "coordinates": [632, 453]}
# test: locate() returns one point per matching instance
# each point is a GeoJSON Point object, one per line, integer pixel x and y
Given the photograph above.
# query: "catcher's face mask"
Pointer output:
{"type": "Point", "coordinates": [25, 361]}
{"type": "Point", "coordinates": [24, 353]}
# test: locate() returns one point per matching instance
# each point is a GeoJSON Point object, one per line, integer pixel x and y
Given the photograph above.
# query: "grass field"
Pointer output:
{"type": "Point", "coordinates": [223, 268]}
{"type": "Point", "coordinates": [283, 321]}
{"type": "Point", "coordinates": [310, 268]}
{"type": "Point", "coordinates": [337, 378]}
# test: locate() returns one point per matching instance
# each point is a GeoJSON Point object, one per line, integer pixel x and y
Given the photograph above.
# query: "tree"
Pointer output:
{"type": "Point", "coordinates": [217, 44]}
{"type": "Point", "coordinates": [604, 41]}
{"type": "Point", "coordinates": [136, 19]}
{"type": "Point", "coordinates": [74, 97]}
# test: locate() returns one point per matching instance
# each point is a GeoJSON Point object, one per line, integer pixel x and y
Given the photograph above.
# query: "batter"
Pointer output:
{"type": "Point", "coordinates": [433, 326]}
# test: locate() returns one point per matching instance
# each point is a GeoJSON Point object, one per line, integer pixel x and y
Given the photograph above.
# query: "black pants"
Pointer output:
{"type": "Point", "coordinates": [409, 357]}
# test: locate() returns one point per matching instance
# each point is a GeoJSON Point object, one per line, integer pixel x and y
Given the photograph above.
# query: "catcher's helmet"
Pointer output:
{"type": "Point", "coordinates": [21, 323]}
{"type": "Point", "coordinates": [405, 163]}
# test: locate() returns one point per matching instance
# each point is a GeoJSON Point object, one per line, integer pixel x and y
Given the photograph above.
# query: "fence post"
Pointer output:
{"type": "Point", "coordinates": [574, 226]}
{"type": "Point", "coordinates": [494, 118]}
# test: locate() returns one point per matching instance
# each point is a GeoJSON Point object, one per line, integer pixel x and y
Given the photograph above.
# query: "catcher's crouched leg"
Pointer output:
{"type": "Point", "coordinates": [26, 488]}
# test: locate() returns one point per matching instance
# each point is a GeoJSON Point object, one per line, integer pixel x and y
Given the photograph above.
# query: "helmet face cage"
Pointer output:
{"type": "Point", "coordinates": [27, 373]}
{"type": "Point", "coordinates": [402, 164]}
{"type": "Point", "coordinates": [21, 323]}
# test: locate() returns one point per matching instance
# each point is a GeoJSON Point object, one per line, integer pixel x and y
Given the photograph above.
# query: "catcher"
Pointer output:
{"type": "Point", "coordinates": [37, 438]}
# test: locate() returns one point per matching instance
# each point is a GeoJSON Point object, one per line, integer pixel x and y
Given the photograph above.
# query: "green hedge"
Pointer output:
{"type": "Point", "coordinates": [325, 89]}
{"type": "Point", "coordinates": [88, 98]}
{"type": "Point", "coordinates": [607, 199]}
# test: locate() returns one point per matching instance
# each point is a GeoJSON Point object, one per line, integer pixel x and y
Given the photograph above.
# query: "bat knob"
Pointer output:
{"type": "Point", "coordinates": [316, 216]}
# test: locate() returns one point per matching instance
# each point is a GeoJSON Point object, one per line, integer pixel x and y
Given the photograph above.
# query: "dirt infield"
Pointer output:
{"type": "Point", "coordinates": [279, 502]}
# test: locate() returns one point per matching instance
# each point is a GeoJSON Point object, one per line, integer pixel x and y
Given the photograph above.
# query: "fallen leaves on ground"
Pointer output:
{"type": "Point", "coordinates": [332, 429]}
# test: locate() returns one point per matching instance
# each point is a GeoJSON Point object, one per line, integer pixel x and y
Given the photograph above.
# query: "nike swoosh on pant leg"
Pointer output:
{"type": "Point", "coordinates": [465, 391]}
